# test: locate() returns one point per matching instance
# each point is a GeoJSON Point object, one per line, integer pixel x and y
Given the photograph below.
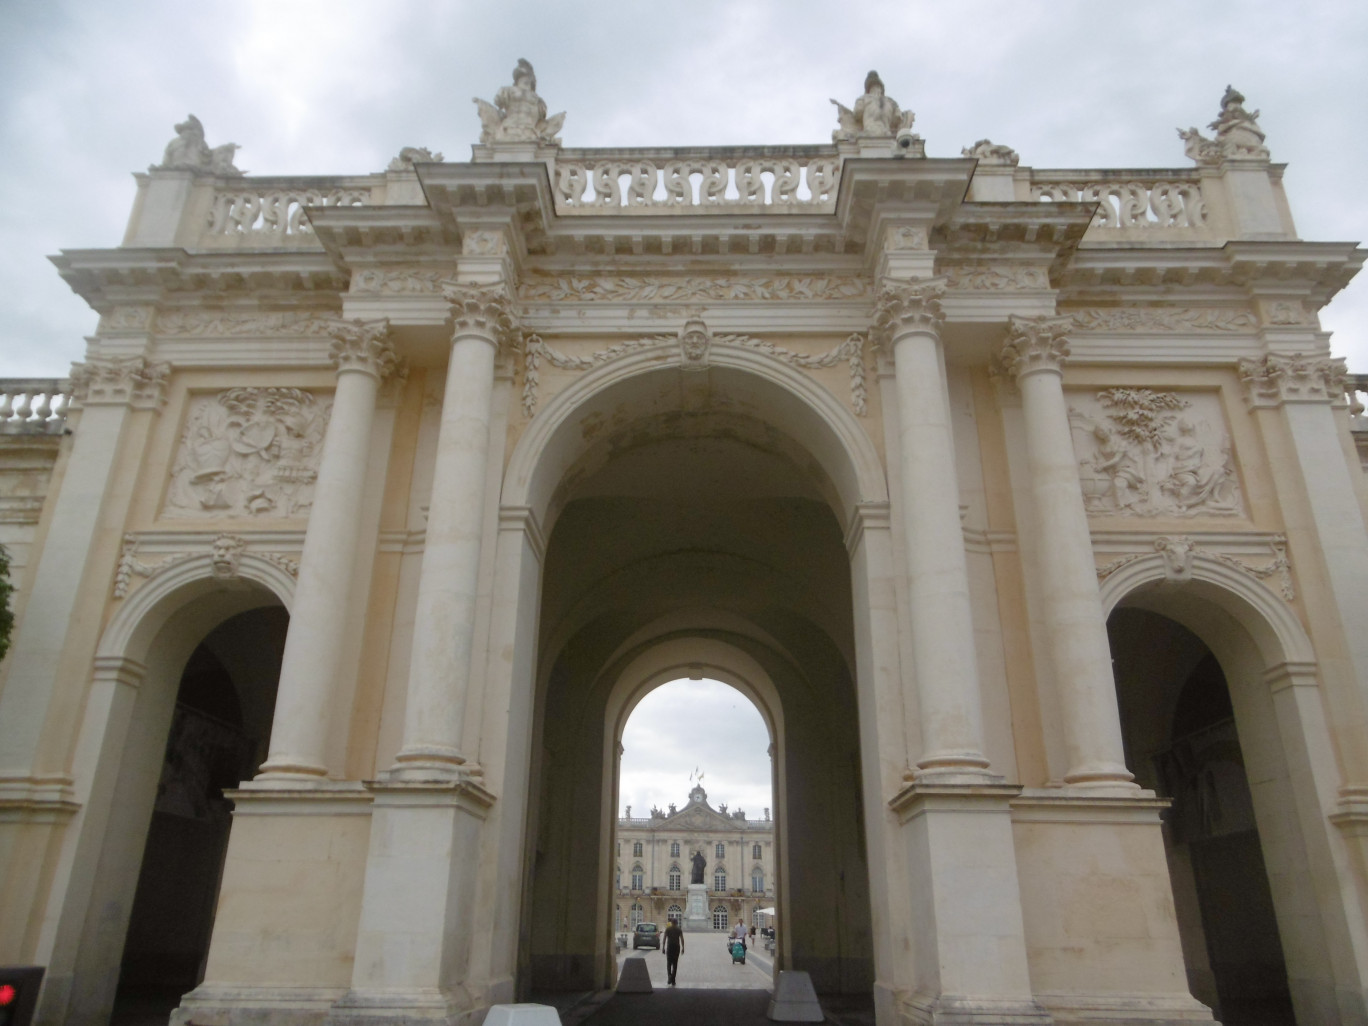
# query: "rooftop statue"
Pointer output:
{"type": "Point", "coordinates": [988, 152]}
{"type": "Point", "coordinates": [518, 114]}
{"type": "Point", "coordinates": [1237, 134]}
{"type": "Point", "coordinates": [875, 115]}
{"type": "Point", "coordinates": [411, 155]}
{"type": "Point", "coordinates": [189, 151]}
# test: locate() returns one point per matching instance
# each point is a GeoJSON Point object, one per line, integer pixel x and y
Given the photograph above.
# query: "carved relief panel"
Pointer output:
{"type": "Point", "coordinates": [248, 452]}
{"type": "Point", "coordinates": [1145, 453]}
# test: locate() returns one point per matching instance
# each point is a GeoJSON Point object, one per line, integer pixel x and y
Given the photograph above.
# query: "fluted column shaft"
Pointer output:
{"type": "Point", "coordinates": [444, 626]}
{"type": "Point", "coordinates": [363, 355]}
{"type": "Point", "coordinates": [909, 321]}
{"type": "Point", "coordinates": [1074, 621]}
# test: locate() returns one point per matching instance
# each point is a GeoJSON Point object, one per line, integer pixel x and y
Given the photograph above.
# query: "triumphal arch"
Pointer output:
{"type": "Point", "coordinates": [1023, 503]}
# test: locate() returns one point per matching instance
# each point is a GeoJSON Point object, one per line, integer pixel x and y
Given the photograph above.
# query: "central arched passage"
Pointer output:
{"type": "Point", "coordinates": [692, 535]}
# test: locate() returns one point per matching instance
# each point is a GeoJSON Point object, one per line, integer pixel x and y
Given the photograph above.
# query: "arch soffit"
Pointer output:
{"type": "Point", "coordinates": [692, 657]}
{"type": "Point", "coordinates": [802, 408]}
{"type": "Point", "coordinates": [1269, 621]}
{"type": "Point", "coordinates": [143, 614]}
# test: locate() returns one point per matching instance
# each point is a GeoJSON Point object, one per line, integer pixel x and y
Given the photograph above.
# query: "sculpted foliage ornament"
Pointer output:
{"type": "Point", "coordinates": [1151, 318]}
{"type": "Point", "coordinates": [189, 152]}
{"type": "Point", "coordinates": [991, 154]}
{"type": "Point", "coordinates": [410, 155]}
{"type": "Point", "coordinates": [1274, 379]}
{"type": "Point", "coordinates": [129, 379]}
{"type": "Point", "coordinates": [665, 289]}
{"type": "Point", "coordinates": [518, 114]}
{"type": "Point", "coordinates": [903, 306]}
{"type": "Point", "coordinates": [481, 310]}
{"type": "Point", "coordinates": [1147, 453]}
{"type": "Point", "coordinates": [365, 346]}
{"type": "Point", "coordinates": [248, 452]}
{"type": "Point", "coordinates": [1034, 344]}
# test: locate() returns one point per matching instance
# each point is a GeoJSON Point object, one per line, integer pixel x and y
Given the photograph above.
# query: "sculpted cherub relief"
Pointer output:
{"type": "Point", "coordinates": [1147, 453]}
{"type": "Point", "coordinates": [518, 114]}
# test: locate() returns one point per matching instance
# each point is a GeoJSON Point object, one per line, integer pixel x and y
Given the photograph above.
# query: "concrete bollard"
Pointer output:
{"type": "Point", "coordinates": [635, 978]}
{"type": "Point", "coordinates": [793, 999]}
{"type": "Point", "coordinates": [522, 1015]}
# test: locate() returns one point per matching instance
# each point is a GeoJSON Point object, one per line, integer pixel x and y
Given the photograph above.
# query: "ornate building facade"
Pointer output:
{"type": "Point", "coordinates": [655, 856]}
{"type": "Point", "coordinates": [1023, 503]}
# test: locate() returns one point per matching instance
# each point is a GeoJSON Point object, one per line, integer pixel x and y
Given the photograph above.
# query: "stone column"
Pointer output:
{"type": "Point", "coordinates": [363, 355]}
{"type": "Point", "coordinates": [1076, 628]}
{"type": "Point", "coordinates": [909, 319]}
{"type": "Point", "coordinates": [444, 627]}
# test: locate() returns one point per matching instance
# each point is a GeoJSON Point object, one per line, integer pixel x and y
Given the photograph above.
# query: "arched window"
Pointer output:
{"type": "Point", "coordinates": [721, 850]}
{"type": "Point", "coordinates": [674, 849]}
{"type": "Point", "coordinates": [755, 851]}
{"type": "Point", "coordinates": [720, 880]}
{"type": "Point", "coordinates": [758, 880]}
{"type": "Point", "coordinates": [636, 848]}
{"type": "Point", "coordinates": [720, 917]}
{"type": "Point", "coordinates": [675, 878]}
{"type": "Point", "coordinates": [637, 878]}
{"type": "Point", "coordinates": [636, 915]}
{"type": "Point", "coordinates": [674, 914]}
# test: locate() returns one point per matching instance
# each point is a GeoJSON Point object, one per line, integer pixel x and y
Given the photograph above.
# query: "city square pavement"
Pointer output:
{"type": "Point", "coordinates": [707, 964]}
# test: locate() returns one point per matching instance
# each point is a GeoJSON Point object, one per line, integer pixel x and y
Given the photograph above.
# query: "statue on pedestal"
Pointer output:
{"type": "Point", "coordinates": [1237, 134]}
{"type": "Point", "coordinates": [876, 115]}
{"type": "Point", "coordinates": [699, 864]}
{"type": "Point", "coordinates": [518, 114]}
{"type": "Point", "coordinates": [189, 152]}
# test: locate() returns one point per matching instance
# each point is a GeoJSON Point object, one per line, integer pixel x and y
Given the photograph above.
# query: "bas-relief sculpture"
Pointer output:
{"type": "Point", "coordinates": [1154, 454]}
{"type": "Point", "coordinates": [518, 114]}
{"type": "Point", "coordinates": [248, 452]}
{"type": "Point", "coordinates": [189, 152]}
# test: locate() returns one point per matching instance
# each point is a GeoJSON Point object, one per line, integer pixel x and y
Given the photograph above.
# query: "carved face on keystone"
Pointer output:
{"type": "Point", "coordinates": [225, 556]}
{"type": "Point", "coordinates": [693, 340]}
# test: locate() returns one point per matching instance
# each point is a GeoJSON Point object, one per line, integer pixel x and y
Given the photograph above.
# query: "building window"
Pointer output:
{"type": "Point", "coordinates": [755, 851]}
{"type": "Point", "coordinates": [636, 848]}
{"type": "Point", "coordinates": [674, 849]}
{"type": "Point", "coordinates": [758, 880]}
{"type": "Point", "coordinates": [721, 850]}
{"type": "Point", "coordinates": [674, 878]}
{"type": "Point", "coordinates": [675, 914]}
{"type": "Point", "coordinates": [720, 917]}
{"type": "Point", "coordinates": [636, 915]}
{"type": "Point", "coordinates": [636, 878]}
{"type": "Point", "coordinates": [619, 878]}
{"type": "Point", "coordinates": [720, 880]}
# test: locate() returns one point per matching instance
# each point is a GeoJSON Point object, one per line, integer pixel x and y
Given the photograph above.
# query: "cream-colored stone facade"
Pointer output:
{"type": "Point", "coordinates": [1023, 504]}
{"type": "Point", "coordinates": [654, 864]}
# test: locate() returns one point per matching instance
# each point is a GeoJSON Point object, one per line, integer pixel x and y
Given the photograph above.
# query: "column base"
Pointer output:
{"type": "Point", "coordinates": [228, 1005]}
{"type": "Point", "coordinates": [407, 1008]}
{"type": "Point", "coordinates": [950, 1010]}
{"type": "Point", "coordinates": [1123, 1009]}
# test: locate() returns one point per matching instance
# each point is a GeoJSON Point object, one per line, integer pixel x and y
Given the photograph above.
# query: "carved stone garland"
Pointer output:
{"type": "Point", "coordinates": [694, 341]}
{"type": "Point", "coordinates": [1178, 552]}
{"type": "Point", "coordinates": [225, 552]}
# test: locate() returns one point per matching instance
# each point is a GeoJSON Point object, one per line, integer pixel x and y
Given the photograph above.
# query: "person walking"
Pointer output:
{"type": "Point", "coordinates": [674, 947]}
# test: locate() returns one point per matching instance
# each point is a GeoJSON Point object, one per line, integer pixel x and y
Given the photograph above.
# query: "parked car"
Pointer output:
{"type": "Point", "coordinates": [646, 935]}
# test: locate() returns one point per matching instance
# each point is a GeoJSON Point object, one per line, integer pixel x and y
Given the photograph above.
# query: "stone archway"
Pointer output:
{"type": "Point", "coordinates": [694, 508]}
{"type": "Point", "coordinates": [136, 681]}
{"type": "Point", "coordinates": [1252, 781]}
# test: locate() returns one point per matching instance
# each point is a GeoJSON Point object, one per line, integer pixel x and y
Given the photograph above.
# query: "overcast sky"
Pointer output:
{"type": "Point", "coordinates": [695, 725]}
{"type": "Point", "coordinates": [91, 89]}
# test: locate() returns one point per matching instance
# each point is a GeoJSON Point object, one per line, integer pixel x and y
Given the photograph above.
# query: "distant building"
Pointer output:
{"type": "Point", "coordinates": [654, 863]}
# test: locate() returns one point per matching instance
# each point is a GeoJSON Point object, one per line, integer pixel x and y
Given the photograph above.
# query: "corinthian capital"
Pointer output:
{"type": "Point", "coordinates": [904, 306]}
{"type": "Point", "coordinates": [359, 345]}
{"type": "Point", "coordinates": [130, 379]}
{"type": "Point", "coordinates": [1275, 379]}
{"type": "Point", "coordinates": [1034, 344]}
{"type": "Point", "coordinates": [482, 310]}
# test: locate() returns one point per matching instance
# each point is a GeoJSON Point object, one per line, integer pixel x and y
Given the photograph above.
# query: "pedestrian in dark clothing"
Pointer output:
{"type": "Point", "coordinates": [674, 947]}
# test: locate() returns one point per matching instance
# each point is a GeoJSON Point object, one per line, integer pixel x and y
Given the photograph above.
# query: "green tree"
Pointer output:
{"type": "Point", "coordinates": [6, 614]}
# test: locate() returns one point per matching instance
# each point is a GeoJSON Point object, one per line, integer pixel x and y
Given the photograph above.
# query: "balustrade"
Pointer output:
{"type": "Point", "coordinates": [269, 212]}
{"type": "Point", "coordinates": [33, 406]}
{"type": "Point", "coordinates": [1174, 200]}
{"type": "Point", "coordinates": [630, 183]}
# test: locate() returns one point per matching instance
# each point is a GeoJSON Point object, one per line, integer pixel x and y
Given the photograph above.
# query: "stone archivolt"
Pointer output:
{"type": "Point", "coordinates": [1155, 454]}
{"type": "Point", "coordinates": [248, 452]}
{"type": "Point", "coordinates": [225, 553]}
{"type": "Point", "coordinates": [1179, 552]}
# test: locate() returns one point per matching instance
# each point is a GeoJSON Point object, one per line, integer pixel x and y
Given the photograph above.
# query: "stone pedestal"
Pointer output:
{"type": "Point", "coordinates": [697, 918]}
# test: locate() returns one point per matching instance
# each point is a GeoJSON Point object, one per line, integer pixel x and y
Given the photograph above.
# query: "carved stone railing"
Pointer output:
{"type": "Point", "coordinates": [272, 211]}
{"type": "Point", "coordinates": [34, 406]}
{"type": "Point", "coordinates": [604, 181]}
{"type": "Point", "coordinates": [1133, 201]}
